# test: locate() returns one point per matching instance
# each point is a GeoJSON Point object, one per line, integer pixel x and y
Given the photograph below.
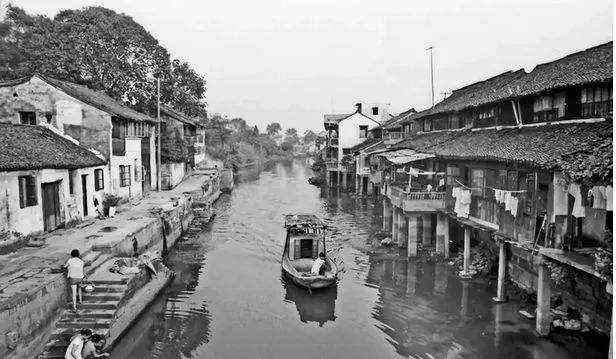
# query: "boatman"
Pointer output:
{"type": "Point", "coordinates": [318, 267]}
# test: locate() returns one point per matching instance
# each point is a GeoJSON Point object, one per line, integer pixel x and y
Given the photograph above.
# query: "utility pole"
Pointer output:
{"type": "Point", "coordinates": [158, 141]}
{"type": "Point", "coordinates": [431, 48]}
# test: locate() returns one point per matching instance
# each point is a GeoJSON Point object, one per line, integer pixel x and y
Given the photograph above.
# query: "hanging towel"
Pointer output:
{"type": "Point", "coordinates": [441, 182]}
{"type": "Point", "coordinates": [560, 195]}
{"type": "Point", "coordinates": [599, 197]}
{"type": "Point", "coordinates": [511, 203]}
{"type": "Point", "coordinates": [609, 205]}
{"type": "Point", "coordinates": [463, 201]}
{"type": "Point", "coordinates": [578, 208]}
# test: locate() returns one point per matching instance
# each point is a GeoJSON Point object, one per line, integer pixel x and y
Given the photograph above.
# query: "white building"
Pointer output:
{"type": "Point", "coordinates": [46, 180]}
{"type": "Point", "coordinates": [125, 138]}
{"type": "Point", "coordinates": [345, 131]}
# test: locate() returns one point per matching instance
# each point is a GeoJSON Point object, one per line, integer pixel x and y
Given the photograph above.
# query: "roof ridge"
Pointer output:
{"type": "Point", "coordinates": [576, 53]}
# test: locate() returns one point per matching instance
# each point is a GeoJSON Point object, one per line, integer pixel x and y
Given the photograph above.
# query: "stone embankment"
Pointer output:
{"type": "Point", "coordinates": [34, 295]}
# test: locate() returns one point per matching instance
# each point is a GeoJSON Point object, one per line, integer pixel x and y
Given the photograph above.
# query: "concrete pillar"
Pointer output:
{"type": "Point", "coordinates": [442, 235]}
{"type": "Point", "coordinates": [344, 179]}
{"type": "Point", "coordinates": [544, 291]}
{"type": "Point", "coordinates": [427, 229]}
{"type": "Point", "coordinates": [411, 247]}
{"type": "Point", "coordinates": [467, 250]}
{"type": "Point", "coordinates": [357, 181]}
{"type": "Point", "coordinates": [502, 265]}
{"type": "Point", "coordinates": [328, 178]}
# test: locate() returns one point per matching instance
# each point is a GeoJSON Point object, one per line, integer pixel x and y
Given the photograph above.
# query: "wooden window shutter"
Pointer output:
{"type": "Point", "coordinates": [30, 191]}
{"type": "Point", "coordinates": [22, 192]}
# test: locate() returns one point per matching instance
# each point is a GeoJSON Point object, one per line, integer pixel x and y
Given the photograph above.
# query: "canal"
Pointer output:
{"type": "Point", "coordinates": [228, 299]}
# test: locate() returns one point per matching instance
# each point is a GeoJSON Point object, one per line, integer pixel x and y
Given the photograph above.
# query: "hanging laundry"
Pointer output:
{"type": "Point", "coordinates": [463, 201]}
{"type": "Point", "coordinates": [511, 203]}
{"type": "Point", "coordinates": [441, 182]}
{"type": "Point", "coordinates": [561, 188]}
{"type": "Point", "coordinates": [579, 210]}
{"type": "Point", "coordinates": [599, 197]}
{"type": "Point", "coordinates": [609, 204]}
{"type": "Point", "coordinates": [499, 195]}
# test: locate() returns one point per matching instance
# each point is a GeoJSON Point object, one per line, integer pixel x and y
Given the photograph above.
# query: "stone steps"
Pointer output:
{"type": "Point", "coordinates": [97, 312]}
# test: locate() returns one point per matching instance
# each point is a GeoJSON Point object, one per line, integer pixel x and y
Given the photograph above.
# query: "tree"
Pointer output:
{"type": "Point", "coordinates": [103, 50]}
{"type": "Point", "coordinates": [309, 137]}
{"type": "Point", "coordinates": [273, 129]}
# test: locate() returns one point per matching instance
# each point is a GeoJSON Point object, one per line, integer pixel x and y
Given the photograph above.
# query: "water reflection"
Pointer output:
{"type": "Point", "coordinates": [318, 307]}
{"type": "Point", "coordinates": [227, 300]}
{"type": "Point", "coordinates": [173, 327]}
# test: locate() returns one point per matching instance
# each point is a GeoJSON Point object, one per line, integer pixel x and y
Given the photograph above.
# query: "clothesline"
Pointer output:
{"type": "Point", "coordinates": [492, 188]}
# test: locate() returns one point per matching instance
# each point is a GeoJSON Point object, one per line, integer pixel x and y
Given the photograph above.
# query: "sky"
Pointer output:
{"type": "Point", "coordinates": [292, 61]}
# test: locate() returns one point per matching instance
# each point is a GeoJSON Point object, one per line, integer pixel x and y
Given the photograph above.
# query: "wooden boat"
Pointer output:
{"type": "Point", "coordinates": [305, 239]}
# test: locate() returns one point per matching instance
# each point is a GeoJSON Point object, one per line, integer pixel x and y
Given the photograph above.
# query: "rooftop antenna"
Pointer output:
{"type": "Point", "coordinates": [431, 48]}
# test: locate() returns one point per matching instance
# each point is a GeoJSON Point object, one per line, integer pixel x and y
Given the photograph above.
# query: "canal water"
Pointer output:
{"type": "Point", "coordinates": [228, 299]}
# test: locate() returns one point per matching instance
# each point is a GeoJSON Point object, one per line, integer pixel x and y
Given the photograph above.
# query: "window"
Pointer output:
{"type": "Point", "coordinates": [427, 126]}
{"type": "Point", "coordinates": [124, 176]}
{"type": "Point", "coordinates": [477, 181]}
{"type": "Point", "coordinates": [27, 191]}
{"type": "Point", "coordinates": [363, 131]}
{"type": "Point", "coordinates": [71, 182]}
{"type": "Point", "coordinates": [27, 117]}
{"type": "Point", "coordinates": [375, 111]}
{"type": "Point", "coordinates": [99, 181]}
{"type": "Point", "coordinates": [596, 101]}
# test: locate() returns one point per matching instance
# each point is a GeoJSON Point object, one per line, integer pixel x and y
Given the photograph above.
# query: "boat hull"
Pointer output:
{"type": "Point", "coordinates": [308, 281]}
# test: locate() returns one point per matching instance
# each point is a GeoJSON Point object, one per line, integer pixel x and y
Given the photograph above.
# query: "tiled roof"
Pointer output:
{"type": "Point", "coordinates": [396, 120]}
{"type": "Point", "coordinates": [176, 115]}
{"type": "Point", "coordinates": [336, 117]}
{"type": "Point", "coordinates": [36, 147]}
{"type": "Point", "coordinates": [566, 145]}
{"type": "Point", "coordinates": [588, 66]}
{"type": "Point", "coordinates": [367, 143]}
{"type": "Point", "coordinates": [97, 99]}
{"type": "Point", "coordinates": [479, 93]}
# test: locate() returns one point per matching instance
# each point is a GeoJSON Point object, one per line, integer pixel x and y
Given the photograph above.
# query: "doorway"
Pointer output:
{"type": "Point", "coordinates": [145, 163]}
{"type": "Point", "coordinates": [84, 197]}
{"type": "Point", "coordinates": [51, 205]}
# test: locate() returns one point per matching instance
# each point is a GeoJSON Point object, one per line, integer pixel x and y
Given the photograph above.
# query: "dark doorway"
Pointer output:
{"type": "Point", "coordinates": [145, 163]}
{"type": "Point", "coordinates": [51, 205]}
{"type": "Point", "coordinates": [306, 248]}
{"type": "Point", "coordinates": [84, 197]}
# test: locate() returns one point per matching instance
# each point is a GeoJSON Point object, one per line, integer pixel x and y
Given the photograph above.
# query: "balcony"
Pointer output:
{"type": "Point", "coordinates": [363, 170]}
{"type": "Point", "coordinates": [416, 201]}
{"type": "Point", "coordinates": [392, 137]}
{"type": "Point", "coordinates": [334, 165]}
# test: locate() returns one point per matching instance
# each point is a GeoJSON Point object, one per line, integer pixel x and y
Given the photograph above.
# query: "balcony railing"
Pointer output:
{"type": "Point", "coordinates": [416, 201]}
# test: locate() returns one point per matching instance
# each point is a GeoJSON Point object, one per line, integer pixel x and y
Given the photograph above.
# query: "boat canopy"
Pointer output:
{"type": "Point", "coordinates": [302, 221]}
